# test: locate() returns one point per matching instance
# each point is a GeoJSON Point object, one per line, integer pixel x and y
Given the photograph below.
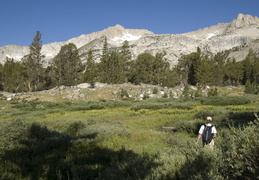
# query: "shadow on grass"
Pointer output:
{"type": "Point", "coordinates": [238, 119]}
{"type": "Point", "coordinates": [45, 154]}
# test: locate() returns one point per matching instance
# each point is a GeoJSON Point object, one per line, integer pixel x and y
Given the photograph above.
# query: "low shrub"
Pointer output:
{"type": "Point", "coordinates": [203, 114]}
{"type": "Point", "coordinates": [225, 100]}
{"type": "Point", "coordinates": [74, 128]}
{"type": "Point", "coordinates": [202, 163]}
{"type": "Point", "coordinates": [155, 91]}
{"type": "Point", "coordinates": [185, 125]}
{"type": "Point", "coordinates": [240, 155]}
{"type": "Point", "coordinates": [148, 106]}
{"type": "Point", "coordinates": [124, 93]}
{"type": "Point", "coordinates": [83, 107]}
{"type": "Point", "coordinates": [157, 106]}
{"type": "Point", "coordinates": [241, 108]}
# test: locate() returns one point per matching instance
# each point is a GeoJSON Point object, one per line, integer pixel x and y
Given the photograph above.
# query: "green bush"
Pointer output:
{"type": "Point", "coordinates": [240, 147]}
{"type": "Point", "coordinates": [124, 93]}
{"type": "Point", "coordinates": [74, 128]}
{"type": "Point", "coordinates": [155, 91]}
{"type": "Point", "coordinates": [185, 125]}
{"type": "Point", "coordinates": [202, 163]}
{"type": "Point", "coordinates": [162, 103]}
{"type": "Point", "coordinates": [225, 100]}
{"type": "Point", "coordinates": [213, 92]}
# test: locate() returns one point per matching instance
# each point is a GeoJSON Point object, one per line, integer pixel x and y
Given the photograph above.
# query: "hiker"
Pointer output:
{"type": "Point", "coordinates": [207, 132]}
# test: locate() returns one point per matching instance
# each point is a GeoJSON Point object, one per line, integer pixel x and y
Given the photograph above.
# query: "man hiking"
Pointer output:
{"type": "Point", "coordinates": [207, 132]}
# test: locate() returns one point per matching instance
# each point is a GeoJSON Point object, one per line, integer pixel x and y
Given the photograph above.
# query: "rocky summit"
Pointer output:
{"type": "Point", "coordinates": [238, 37]}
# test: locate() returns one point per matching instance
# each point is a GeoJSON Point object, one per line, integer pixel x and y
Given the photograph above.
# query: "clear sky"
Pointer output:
{"type": "Point", "coordinates": [60, 20]}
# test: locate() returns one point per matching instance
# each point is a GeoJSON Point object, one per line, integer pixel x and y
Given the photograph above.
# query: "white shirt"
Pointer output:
{"type": "Point", "coordinates": [213, 130]}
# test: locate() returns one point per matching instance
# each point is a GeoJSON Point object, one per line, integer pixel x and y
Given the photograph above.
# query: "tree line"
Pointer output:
{"type": "Point", "coordinates": [118, 66]}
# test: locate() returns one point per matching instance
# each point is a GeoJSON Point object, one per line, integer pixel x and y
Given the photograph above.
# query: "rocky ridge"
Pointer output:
{"type": "Point", "coordinates": [241, 32]}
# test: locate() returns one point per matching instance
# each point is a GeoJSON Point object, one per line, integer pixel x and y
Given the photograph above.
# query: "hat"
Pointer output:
{"type": "Point", "coordinates": [209, 119]}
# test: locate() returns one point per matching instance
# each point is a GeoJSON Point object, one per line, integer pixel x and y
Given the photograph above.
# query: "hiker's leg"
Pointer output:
{"type": "Point", "coordinates": [211, 144]}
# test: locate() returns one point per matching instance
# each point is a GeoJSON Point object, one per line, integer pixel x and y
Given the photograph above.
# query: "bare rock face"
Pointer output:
{"type": "Point", "coordinates": [13, 51]}
{"type": "Point", "coordinates": [244, 21]}
{"type": "Point", "coordinates": [242, 31]}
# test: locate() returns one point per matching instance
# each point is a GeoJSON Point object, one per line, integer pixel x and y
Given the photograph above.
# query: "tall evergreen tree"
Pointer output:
{"type": "Point", "coordinates": [115, 69]}
{"type": "Point", "coordinates": [126, 55]}
{"type": "Point", "coordinates": [233, 72]}
{"type": "Point", "coordinates": [90, 74]}
{"type": "Point", "coordinates": [160, 69]}
{"type": "Point", "coordinates": [33, 64]}
{"type": "Point", "coordinates": [1, 77]}
{"type": "Point", "coordinates": [125, 50]}
{"type": "Point", "coordinates": [12, 76]}
{"type": "Point", "coordinates": [248, 65]}
{"type": "Point", "coordinates": [218, 71]}
{"type": "Point", "coordinates": [204, 71]}
{"type": "Point", "coordinates": [67, 66]}
{"type": "Point", "coordinates": [143, 68]}
{"type": "Point", "coordinates": [255, 70]}
{"type": "Point", "coordinates": [254, 60]}
{"type": "Point", "coordinates": [104, 62]}
{"type": "Point", "coordinates": [186, 67]}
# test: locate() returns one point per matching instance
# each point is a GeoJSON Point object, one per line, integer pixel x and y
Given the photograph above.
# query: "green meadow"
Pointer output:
{"type": "Point", "coordinates": [150, 139]}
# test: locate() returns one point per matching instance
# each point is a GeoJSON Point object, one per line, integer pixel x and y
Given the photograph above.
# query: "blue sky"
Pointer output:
{"type": "Point", "coordinates": [60, 20]}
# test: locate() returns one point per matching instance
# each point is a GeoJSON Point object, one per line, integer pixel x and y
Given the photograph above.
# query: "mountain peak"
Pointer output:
{"type": "Point", "coordinates": [119, 34]}
{"type": "Point", "coordinates": [243, 20]}
{"type": "Point", "coordinates": [116, 27]}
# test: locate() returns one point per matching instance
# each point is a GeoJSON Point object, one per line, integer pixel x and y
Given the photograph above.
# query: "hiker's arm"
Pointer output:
{"type": "Point", "coordinates": [214, 135]}
{"type": "Point", "coordinates": [198, 138]}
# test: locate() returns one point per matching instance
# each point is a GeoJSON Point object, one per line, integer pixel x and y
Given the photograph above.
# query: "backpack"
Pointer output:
{"type": "Point", "coordinates": [207, 136]}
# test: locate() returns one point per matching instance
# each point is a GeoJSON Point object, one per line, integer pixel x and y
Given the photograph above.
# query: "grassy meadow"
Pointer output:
{"type": "Point", "coordinates": [129, 139]}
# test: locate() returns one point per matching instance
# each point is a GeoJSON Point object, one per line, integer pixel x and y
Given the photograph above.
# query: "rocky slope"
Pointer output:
{"type": "Point", "coordinates": [241, 32]}
{"type": "Point", "coordinates": [83, 92]}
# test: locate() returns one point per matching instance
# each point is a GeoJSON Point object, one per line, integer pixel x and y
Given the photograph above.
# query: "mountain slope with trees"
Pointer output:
{"type": "Point", "coordinates": [118, 67]}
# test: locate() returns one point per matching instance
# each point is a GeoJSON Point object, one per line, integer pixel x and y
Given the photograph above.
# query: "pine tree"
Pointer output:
{"type": "Point", "coordinates": [90, 74]}
{"type": "Point", "coordinates": [115, 70]}
{"type": "Point", "coordinates": [255, 70]}
{"type": "Point", "coordinates": [32, 64]}
{"type": "Point", "coordinates": [161, 70]}
{"type": "Point", "coordinates": [103, 66]}
{"type": "Point", "coordinates": [218, 72]}
{"type": "Point", "coordinates": [67, 66]}
{"type": "Point", "coordinates": [126, 51]}
{"type": "Point", "coordinates": [1, 77]}
{"type": "Point", "coordinates": [171, 78]}
{"type": "Point", "coordinates": [143, 69]}
{"type": "Point", "coordinates": [126, 55]}
{"type": "Point", "coordinates": [12, 74]}
{"type": "Point", "coordinates": [203, 71]}
{"type": "Point", "coordinates": [186, 67]}
{"type": "Point", "coordinates": [233, 72]}
{"type": "Point", "coordinates": [254, 59]}
{"type": "Point", "coordinates": [248, 65]}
